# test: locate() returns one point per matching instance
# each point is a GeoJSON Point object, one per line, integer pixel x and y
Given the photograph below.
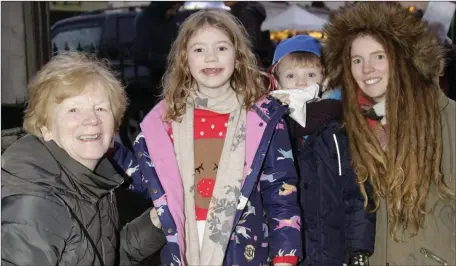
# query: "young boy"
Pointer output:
{"type": "Point", "coordinates": [336, 227]}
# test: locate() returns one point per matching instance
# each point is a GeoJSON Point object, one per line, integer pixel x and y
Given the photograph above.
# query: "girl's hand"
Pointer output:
{"type": "Point", "coordinates": [283, 264]}
{"type": "Point", "coordinates": [154, 218]}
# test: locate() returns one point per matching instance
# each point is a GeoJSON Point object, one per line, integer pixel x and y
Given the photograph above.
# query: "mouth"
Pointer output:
{"type": "Point", "coordinates": [211, 71]}
{"type": "Point", "coordinates": [372, 81]}
{"type": "Point", "coordinates": [92, 137]}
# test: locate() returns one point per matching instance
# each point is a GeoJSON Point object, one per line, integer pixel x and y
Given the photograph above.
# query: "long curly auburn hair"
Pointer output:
{"type": "Point", "coordinates": [403, 174]}
{"type": "Point", "coordinates": [247, 79]}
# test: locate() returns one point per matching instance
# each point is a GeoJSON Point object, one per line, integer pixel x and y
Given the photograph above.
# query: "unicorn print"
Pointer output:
{"type": "Point", "coordinates": [285, 155]}
{"type": "Point", "coordinates": [287, 189]}
{"type": "Point", "coordinates": [269, 178]}
{"type": "Point", "coordinates": [294, 222]}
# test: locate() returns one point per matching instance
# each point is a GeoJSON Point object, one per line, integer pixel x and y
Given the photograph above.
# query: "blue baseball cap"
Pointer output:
{"type": "Point", "coordinates": [298, 43]}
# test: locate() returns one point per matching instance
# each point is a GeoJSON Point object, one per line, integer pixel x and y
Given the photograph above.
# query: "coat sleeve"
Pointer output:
{"type": "Point", "coordinates": [140, 239]}
{"type": "Point", "coordinates": [129, 163]}
{"type": "Point", "coordinates": [280, 198]}
{"type": "Point", "coordinates": [360, 225]}
{"type": "Point", "coordinates": [34, 230]}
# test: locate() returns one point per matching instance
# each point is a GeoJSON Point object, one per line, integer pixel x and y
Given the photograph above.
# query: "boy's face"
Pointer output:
{"type": "Point", "coordinates": [293, 76]}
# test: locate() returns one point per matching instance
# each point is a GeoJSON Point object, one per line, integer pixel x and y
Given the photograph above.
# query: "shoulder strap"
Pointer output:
{"type": "Point", "coordinates": [86, 233]}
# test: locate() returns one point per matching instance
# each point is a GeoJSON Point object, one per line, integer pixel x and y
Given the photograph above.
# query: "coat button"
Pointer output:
{"type": "Point", "coordinates": [155, 191]}
{"type": "Point", "coordinates": [140, 154]}
{"type": "Point", "coordinates": [261, 124]}
{"type": "Point", "coordinates": [334, 156]}
{"type": "Point", "coordinates": [170, 231]}
{"type": "Point", "coordinates": [305, 227]}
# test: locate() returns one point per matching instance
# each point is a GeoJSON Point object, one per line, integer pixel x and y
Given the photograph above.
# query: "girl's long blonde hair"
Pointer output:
{"type": "Point", "coordinates": [247, 78]}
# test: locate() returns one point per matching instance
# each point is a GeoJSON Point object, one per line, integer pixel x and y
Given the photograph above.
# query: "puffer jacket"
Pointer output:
{"type": "Point", "coordinates": [335, 226]}
{"type": "Point", "coordinates": [55, 211]}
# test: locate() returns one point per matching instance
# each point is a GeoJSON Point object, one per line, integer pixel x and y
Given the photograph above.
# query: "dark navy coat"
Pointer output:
{"type": "Point", "coordinates": [334, 221]}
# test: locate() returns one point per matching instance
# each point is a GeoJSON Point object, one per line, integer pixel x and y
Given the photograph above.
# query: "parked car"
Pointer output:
{"type": "Point", "coordinates": [111, 35]}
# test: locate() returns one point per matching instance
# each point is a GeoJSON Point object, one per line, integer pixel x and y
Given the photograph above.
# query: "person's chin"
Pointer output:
{"type": "Point", "coordinates": [92, 154]}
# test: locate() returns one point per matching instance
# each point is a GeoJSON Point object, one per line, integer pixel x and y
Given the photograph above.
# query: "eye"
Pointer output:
{"type": "Point", "coordinates": [199, 168]}
{"type": "Point", "coordinates": [290, 76]}
{"type": "Point", "coordinates": [311, 75]}
{"type": "Point", "coordinates": [72, 110]}
{"type": "Point", "coordinates": [101, 109]}
{"type": "Point", "coordinates": [222, 48]}
{"type": "Point", "coordinates": [198, 50]}
{"type": "Point", "coordinates": [380, 56]}
{"type": "Point", "coordinates": [356, 61]}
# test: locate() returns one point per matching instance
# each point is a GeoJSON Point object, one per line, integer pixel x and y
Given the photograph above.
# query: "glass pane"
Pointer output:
{"type": "Point", "coordinates": [86, 39]}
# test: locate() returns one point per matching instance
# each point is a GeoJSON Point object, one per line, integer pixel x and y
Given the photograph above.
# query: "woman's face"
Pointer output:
{"type": "Point", "coordinates": [83, 125]}
{"type": "Point", "coordinates": [370, 67]}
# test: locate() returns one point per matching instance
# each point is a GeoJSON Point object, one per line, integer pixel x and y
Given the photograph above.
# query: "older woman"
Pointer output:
{"type": "Point", "coordinates": [401, 128]}
{"type": "Point", "coordinates": [58, 206]}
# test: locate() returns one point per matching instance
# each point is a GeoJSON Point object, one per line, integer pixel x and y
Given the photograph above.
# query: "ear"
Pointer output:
{"type": "Point", "coordinates": [112, 141]}
{"type": "Point", "coordinates": [47, 134]}
{"type": "Point", "coordinates": [276, 84]}
{"type": "Point", "coordinates": [324, 85]}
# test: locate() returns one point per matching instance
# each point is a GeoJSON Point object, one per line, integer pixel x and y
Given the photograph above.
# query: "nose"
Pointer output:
{"type": "Point", "coordinates": [367, 67]}
{"type": "Point", "coordinates": [91, 118]}
{"type": "Point", "coordinates": [302, 82]}
{"type": "Point", "coordinates": [211, 57]}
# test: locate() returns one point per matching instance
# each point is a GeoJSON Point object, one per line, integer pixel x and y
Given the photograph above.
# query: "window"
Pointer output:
{"type": "Point", "coordinates": [126, 29]}
{"type": "Point", "coordinates": [85, 39]}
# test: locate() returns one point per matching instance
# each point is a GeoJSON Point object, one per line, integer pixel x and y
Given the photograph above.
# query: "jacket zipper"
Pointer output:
{"type": "Point", "coordinates": [429, 254]}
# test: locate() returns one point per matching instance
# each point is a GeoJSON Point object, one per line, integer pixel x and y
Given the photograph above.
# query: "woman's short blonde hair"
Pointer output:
{"type": "Point", "coordinates": [67, 75]}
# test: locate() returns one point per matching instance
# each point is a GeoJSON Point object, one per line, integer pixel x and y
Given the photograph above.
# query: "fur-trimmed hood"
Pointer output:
{"type": "Point", "coordinates": [393, 22]}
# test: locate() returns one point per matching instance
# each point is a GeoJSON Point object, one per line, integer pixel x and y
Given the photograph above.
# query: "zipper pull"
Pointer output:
{"type": "Point", "coordinates": [429, 254]}
{"type": "Point", "coordinates": [111, 192]}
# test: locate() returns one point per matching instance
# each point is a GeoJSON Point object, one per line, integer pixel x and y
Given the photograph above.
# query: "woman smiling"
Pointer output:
{"type": "Point", "coordinates": [58, 206]}
{"type": "Point", "coordinates": [401, 128]}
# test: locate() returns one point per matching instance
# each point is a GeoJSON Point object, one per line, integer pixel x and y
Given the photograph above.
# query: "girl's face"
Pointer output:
{"type": "Point", "coordinates": [211, 59]}
{"type": "Point", "coordinates": [370, 67]}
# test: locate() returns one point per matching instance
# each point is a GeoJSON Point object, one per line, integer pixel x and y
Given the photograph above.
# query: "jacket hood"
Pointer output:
{"type": "Point", "coordinates": [393, 22]}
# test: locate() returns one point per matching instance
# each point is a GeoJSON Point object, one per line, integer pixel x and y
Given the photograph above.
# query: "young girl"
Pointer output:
{"type": "Point", "coordinates": [215, 156]}
{"type": "Point", "coordinates": [401, 128]}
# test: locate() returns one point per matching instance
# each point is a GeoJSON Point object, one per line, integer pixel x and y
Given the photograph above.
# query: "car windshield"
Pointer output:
{"type": "Point", "coordinates": [84, 39]}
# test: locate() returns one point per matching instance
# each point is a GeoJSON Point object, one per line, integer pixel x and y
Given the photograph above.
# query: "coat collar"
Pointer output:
{"type": "Point", "coordinates": [92, 185]}
{"type": "Point", "coordinates": [442, 100]}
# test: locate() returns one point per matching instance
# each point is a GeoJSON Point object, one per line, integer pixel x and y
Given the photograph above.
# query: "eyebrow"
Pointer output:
{"type": "Point", "coordinates": [375, 52]}
{"type": "Point", "coordinates": [199, 43]}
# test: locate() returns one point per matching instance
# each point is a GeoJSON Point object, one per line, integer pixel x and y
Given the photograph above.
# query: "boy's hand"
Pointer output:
{"type": "Point", "coordinates": [283, 98]}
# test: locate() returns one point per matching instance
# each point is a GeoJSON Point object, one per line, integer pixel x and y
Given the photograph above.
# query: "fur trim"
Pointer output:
{"type": "Point", "coordinates": [393, 22]}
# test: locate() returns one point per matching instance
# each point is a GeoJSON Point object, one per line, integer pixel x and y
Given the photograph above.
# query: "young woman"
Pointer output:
{"type": "Point", "coordinates": [401, 128]}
